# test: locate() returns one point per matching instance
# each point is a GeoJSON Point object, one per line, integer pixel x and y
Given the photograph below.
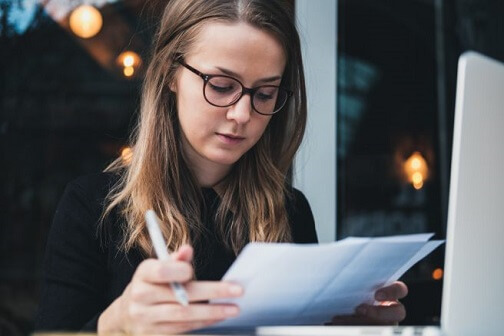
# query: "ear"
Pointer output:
{"type": "Point", "coordinates": [173, 85]}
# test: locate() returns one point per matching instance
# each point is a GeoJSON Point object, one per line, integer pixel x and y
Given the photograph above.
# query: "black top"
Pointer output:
{"type": "Point", "coordinates": [83, 276]}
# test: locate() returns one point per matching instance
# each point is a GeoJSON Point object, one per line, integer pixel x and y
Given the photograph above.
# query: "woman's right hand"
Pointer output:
{"type": "Point", "coordinates": [148, 305]}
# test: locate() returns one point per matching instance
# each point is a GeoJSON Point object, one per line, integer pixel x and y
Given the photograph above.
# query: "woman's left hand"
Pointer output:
{"type": "Point", "coordinates": [388, 311]}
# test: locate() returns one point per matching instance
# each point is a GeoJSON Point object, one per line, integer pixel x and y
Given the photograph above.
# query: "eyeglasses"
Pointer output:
{"type": "Point", "coordinates": [224, 91]}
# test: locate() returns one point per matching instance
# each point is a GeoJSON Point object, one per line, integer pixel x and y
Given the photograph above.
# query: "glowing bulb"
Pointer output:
{"type": "Point", "coordinates": [437, 274]}
{"type": "Point", "coordinates": [417, 177]}
{"type": "Point", "coordinates": [128, 60]}
{"type": "Point", "coordinates": [128, 71]}
{"type": "Point", "coordinates": [416, 170]}
{"type": "Point", "coordinates": [126, 154]}
{"type": "Point", "coordinates": [417, 180]}
{"type": "Point", "coordinates": [416, 163]}
{"type": "Point", "coordinates": [418, 185]}
{"type": "Point", "coordinates": [86, 21]}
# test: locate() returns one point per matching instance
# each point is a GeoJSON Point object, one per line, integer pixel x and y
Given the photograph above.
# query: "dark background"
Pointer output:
{"type": "Point", "coordinates": [397, 64]}
{"type": "Point", "coordinates": [66, 109]}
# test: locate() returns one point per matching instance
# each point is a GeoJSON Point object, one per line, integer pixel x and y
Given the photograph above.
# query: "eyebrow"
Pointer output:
{"type": "Point", "coordinates": [234, 74]}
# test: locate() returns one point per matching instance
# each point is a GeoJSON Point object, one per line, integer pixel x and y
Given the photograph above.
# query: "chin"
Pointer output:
{"type": "Point", "coordinates": [224, 158]}
{"type": "Point", "coordinates": [228, 161]}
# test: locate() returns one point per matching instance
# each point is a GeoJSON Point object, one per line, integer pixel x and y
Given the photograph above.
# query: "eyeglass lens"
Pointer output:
{"type": "Point", "coordinates": [225, 91]}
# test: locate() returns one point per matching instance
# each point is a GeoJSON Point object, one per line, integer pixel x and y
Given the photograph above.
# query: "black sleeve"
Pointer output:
{"type": "Point", "coordinates": [75, 271]}
{"type": "Point", "coordinates": [301, 218]}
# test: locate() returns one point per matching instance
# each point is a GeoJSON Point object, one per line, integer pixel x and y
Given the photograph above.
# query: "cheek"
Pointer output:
{"type": "Point", "coordinates": [255, 133]}
{"type": "Point", "coordinates": [260, 127]}
{"type": "Point", "coordinates": [193, 115]}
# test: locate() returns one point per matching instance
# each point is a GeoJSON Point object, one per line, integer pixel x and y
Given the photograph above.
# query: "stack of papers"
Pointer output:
{"type": "Point", "coordinates": [299, 284]}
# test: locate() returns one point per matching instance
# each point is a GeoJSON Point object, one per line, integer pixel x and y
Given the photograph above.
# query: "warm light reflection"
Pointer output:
{"type": "Point", "coordinates": [437, 274]}
{"type": "Point", "coordinates": [416, 170]}
{"type": "Point", "coordinates": [128, 71]}
{"type": "Point", "coordinates": [130, 61]}
{"type": "Point", "coordinates": [126, 155]}
{"type": "Point", "coordinates": [416, 163]}
{"type": "Point", "coordinates": [86, 21]}
{"type": "Point", "coordinates": [417, 180]}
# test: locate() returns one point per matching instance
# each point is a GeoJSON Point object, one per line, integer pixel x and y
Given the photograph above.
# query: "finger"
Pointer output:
{"type": "Point", "coordinates": [395, 291]}
{"type": "Point", "coordinates": [208, 290]}
{"type": "Point", "coordinates": [386, 314]}
{"type": "Point", "coordinates": [163, 271]}
{"type": "Point", "coordinates": [150, 293]}
{"type": "Point", "coordinates": [177, 313]}
{"type": "Point", "coordinates": [184, 253]}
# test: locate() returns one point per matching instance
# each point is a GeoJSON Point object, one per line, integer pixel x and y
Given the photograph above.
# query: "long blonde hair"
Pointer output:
{"type": "Point", "coordinates": [253, 195]}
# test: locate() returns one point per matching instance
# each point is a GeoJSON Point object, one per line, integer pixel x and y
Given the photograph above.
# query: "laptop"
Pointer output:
{"type": "Point", "coordinates": [473, 293]}
{"type": "Point", "coordinates": [473, 287]}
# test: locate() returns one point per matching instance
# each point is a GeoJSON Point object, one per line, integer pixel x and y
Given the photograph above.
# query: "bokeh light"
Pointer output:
{"type": "Point", "coordinates": [86, 21]}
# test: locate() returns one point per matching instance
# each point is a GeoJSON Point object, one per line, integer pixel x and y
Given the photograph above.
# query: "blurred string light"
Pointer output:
{"type": "Point", "coordinates": [130, 61]}
{"type": "Point", "coordinates": [416, 170]}
{"type": "Point", "coordinates": [86, 21]}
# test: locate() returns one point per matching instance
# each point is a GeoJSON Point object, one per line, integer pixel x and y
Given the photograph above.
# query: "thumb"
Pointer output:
{"type": "Point", "coordinates": [184, 253]}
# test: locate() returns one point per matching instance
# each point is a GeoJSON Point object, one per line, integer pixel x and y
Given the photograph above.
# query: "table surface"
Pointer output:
{"type": "Point", "coordinates": [309, 331]}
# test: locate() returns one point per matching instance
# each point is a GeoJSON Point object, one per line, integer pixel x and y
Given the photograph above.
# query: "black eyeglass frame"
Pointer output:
{"type": "Point", "coordinates": [245, 90]}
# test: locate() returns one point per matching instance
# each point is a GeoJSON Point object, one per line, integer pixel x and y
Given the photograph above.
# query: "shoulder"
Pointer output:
{"type": "Point", "coordinates": [83, 202]}
{"type": "Point", "coordinates": [296, 197]}
{"type": "Point", "coordinates": [93, 186]}
{"type": "Point", "coordinates": [88, 191]}
{"type": "Point", "coordinates": [300, 217]}
{"type": "Point", "coordinates": [76, 262]}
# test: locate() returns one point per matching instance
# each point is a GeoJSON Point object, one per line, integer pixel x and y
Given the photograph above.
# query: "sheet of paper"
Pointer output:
{"type": "Point", "coordinates": [293, 284]}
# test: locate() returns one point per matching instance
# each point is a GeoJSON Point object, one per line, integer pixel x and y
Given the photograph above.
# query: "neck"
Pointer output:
{"type": "Point", "coordinates": [210, 175]}
{"type": "Point", "coordinates": [207, 173]}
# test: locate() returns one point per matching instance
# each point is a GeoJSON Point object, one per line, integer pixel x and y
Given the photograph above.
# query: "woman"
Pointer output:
{"type": "Point", "coordinates": [223, 113]}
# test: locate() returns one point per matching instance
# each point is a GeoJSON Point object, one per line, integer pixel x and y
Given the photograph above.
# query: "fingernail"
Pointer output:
{"type": "Point", "coordinates": [380, 296]}
{"type": "Point", "coordinates": [235, 290]}
{"type": "Point", "coordinates": [231, 311]}
{"type": "Point", "coordinates": [361, 310]}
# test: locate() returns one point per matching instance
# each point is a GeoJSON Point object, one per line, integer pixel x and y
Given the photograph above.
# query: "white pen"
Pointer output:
{"type": "Point", "coordinates": [162, 253]}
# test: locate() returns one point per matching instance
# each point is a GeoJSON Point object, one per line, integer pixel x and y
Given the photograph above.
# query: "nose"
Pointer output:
{"type": "Point", "coordinates": [241, 110]}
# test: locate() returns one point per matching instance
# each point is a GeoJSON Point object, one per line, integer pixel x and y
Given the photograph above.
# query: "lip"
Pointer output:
{"type": "Point", "coordinates": [232, 136]}
{"type": "Point", "coordinates": [230, 139]}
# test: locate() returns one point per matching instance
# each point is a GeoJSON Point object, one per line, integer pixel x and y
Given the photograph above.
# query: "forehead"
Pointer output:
{"type": "Point", "coordinates": [239, 47]}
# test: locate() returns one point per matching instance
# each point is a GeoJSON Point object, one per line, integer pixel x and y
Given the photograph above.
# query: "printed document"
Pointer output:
{"type": "Point", "coordinates": [299, 284]}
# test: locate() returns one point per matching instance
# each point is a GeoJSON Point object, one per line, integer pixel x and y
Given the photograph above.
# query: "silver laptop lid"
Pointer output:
{"type": "Point", "coordinates": [473, 289]}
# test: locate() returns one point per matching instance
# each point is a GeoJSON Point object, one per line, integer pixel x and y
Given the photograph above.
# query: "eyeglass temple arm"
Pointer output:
{"type": "Point", "coordinates": [190, 68]}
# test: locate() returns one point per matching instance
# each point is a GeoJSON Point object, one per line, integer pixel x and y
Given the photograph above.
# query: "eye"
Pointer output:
{"type": "Point", "coordinates": [220, 89]}
{"type": "Point", "coordinates": [266, 93]}
{"type": "Point", "coordinates": [222, 85]}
